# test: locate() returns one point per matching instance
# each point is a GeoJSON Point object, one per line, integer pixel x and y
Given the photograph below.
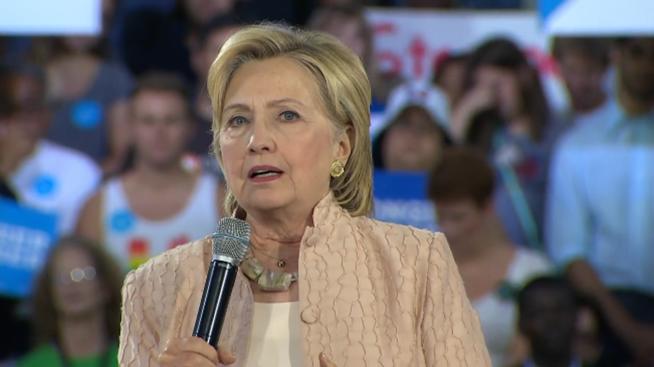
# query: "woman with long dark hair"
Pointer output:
{"type": "Point", "coordinates": [76, 307]}
{"type": "Point", "coordinates": [504, 113]}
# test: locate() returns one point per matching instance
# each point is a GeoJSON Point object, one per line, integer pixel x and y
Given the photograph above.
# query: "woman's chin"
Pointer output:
{"type": "Point", "coordinates": [264, 204]}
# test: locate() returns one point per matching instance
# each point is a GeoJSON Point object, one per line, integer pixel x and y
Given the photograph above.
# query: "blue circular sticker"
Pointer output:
{"type": "Point", "coordinates": [44, 185]}
{"type": "Point", "coordinates": [122, 221]}
{"type": "Point", "coordinates": [87, 114]}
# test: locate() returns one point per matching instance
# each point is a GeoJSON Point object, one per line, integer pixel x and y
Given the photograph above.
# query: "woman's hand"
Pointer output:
{"type": "Point", "coordinates": [324, 361]}
{"type": "Point", "coordinates": [195, 352]}
{"type": "Point", "coordinates": [476, 100]}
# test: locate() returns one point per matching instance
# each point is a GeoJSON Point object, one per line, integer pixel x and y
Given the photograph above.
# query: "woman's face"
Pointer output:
{"type": "Point", "coordinates": [504, 85]}
{"type": "Point", "coordinates": [459, 219]}
{"type": "Point", "coordinates": [76, 288]}
{"type": "Point", "coordinates": [277, 142]}
{"type": "Point", "coordinates": [349, 31]}
{"type": "Point", "coordinates": [81, 44]}
{"type": "Point", "coordinates": [412, 142]}
{"type": "Point", "coordinates": [202, 11]}
{"type": "Point", "coordinates": [161, 127]}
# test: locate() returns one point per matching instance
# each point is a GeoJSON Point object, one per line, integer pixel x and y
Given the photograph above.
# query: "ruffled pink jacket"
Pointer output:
{"type": "Point", "coordinates": [371, 294]}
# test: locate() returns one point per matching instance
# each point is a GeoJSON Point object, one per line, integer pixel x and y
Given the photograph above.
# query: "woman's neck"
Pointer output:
{"type": "Point", "coordinates": [12, 157]}
{"type": "Point", "coordinates": [279, 232]}
{"type": "Point", "coordinates": [162, 176]}
{"type": "Point", "coordinates": [520, 125]}
{"type": "Point", "coordinates": [477, 245]}
{"type": "Point", "coordinates": [84, 336]}
{"type": "Point", "coordinates": [552, 358]}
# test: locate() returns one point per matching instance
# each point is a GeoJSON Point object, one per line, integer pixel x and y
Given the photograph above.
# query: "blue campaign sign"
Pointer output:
{"type": "Point", "coordinates": [26, 235]}
{"type": "Point", "coordinates": [401, 197]}
{"type": "Point", "coordinates": [547, 7]}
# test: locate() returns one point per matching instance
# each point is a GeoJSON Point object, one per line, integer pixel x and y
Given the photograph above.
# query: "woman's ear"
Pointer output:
{"type": "Point", "coordinates": [344, 144]}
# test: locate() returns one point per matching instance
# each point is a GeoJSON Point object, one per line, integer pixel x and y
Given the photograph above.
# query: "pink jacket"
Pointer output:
{"type": "Point", "coordinates": [371, 294]}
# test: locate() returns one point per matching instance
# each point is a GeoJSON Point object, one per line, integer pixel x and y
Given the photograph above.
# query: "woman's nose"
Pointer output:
{"type": "Point", "coordinates": [261, 138]}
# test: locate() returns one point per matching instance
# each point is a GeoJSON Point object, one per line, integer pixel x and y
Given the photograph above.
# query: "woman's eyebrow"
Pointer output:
{"type": "Point", "coordinates": [277, 102]}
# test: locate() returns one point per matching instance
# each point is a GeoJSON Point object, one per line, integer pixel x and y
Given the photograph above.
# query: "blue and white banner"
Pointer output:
{"type": "Point", "coordinates": [401, 198]}
{"type": "Point", "coordinates": [25, 239]}
{"type": "Point", "coordinates": [597, 17]}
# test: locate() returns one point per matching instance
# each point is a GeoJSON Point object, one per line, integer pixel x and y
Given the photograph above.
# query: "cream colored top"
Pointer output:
{"type": "Point", "coordinates": [276, 339]}
{"type": "Point", "coordinates": [371, 294]}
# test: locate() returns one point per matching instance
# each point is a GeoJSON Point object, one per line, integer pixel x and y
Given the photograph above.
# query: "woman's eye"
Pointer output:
{"type": "Point", "coordinates": [237, 121]}
{"type": "Point", "coordinates": [289, 116]}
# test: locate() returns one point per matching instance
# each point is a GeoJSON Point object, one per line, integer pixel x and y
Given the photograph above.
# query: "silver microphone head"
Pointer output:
{"type": "Point", "coordinates": [231, 240]}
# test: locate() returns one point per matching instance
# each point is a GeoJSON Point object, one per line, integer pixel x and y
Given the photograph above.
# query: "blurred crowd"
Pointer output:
{"type": "Point", "coordinates": [548, 211]}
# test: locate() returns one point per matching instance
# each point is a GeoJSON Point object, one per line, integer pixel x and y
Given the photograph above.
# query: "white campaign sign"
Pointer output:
{"type": "Point", "coordinates": [50, 17]}
{"type": "Point", "coordinates": [411, 41]}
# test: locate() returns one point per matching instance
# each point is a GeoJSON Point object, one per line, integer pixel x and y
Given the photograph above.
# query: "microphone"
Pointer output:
{"type": "Point", "coordinates": [230, 245]}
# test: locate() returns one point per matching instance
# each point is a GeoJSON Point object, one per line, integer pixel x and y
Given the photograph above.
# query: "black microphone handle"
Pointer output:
{"type": "Point", "coordinates": [215, 298]}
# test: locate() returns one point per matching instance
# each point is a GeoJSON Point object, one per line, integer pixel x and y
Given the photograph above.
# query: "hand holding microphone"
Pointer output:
{"type": "Point", "coordinates": [230, 245]}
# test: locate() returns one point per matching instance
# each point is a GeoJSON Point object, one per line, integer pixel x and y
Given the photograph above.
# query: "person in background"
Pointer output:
{"type": "Point", "coordinates": [504, 114]}
{"type": "Point", "coordinates": [76, 307]}
{"type": "Point", "coordinates": [348, 23]}
{"type": "Point", "coordinates": [449, 75]}
{"type": "Point", "coordinates": [14, 334]}
{"type": "Point", "coordinates": [548, 310]}
{"type": "Point", "coordinates": [412, 134]}
{"type": "Point", "coordinates": [159, 202]}
{"type": "Point", "coordinates": [583, 63]}
{"type": "Point", "coordinates": [42, 174]}
{"type": "Point", "coordinates": [601, 205]}
{"type": "Point", "coordinates": [210, 39]}
{"type": "Point", "coordinates": [493, 268]}
{"type": "Point", "coordinates": [89, 94]}
{"type": "Point", "coordinates": [159, 40]}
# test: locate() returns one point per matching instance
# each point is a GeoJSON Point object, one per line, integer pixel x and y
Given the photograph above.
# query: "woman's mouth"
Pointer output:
{"type": "Point", "coordinates": [264, 173]}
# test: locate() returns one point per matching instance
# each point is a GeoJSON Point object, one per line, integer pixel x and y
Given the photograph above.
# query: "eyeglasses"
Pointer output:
{"type": "Point", "coordinates": [77, 275]}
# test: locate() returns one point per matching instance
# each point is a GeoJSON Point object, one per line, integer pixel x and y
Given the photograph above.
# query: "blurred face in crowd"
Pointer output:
{"type": "Point", "coordinates": [201, 11]}
{"type": "Point", "coordinates": [504, 86]}
{"type": "Point", "coordinates": [203, 56]}
{"type": "Point", "coordinates": [76, 288]}
{"type": "Point", "coordinates": [80, 44]}
{"type": "Point", "coordinates": [277, 141]}
{"type": "Point", "coordinates": [413, 142]}
{"type": "Point", "coordinates": [162, 127]}
{"type": "Point", "coordinates": [549, 320]}
{"type": "Point", "coordinates": [350, 31]}
{"type": "Point", "coordinates": [27, 126]}
{"type": "Point", "coordinates": [451, 80]}
{"type": "Point", "coordinates": [634, 60]}
{"type": "Point", "coordinates": [461, 219]}
{"type": "Point", "coordinates": [583, 77]}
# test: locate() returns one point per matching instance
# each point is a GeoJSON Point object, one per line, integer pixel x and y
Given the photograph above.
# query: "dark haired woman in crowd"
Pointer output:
{"type": "Point", "coordinates": [76, 307]}
{"type": "Point", "coordinates": [504, 113]}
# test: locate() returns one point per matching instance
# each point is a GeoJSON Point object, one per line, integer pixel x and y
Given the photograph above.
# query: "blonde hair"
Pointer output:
{"type": "Point", "coordinates": [344, 90]}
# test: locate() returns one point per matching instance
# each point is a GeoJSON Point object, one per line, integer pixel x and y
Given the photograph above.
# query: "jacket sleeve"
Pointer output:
{"type": "Point", "coordinates": [139, 340]}
{"type": "Point", "coordinates": [451, 333]}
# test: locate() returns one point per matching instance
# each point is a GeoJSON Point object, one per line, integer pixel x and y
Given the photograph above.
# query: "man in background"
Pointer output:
{"type": "Point", "coordinates": [601, 206]}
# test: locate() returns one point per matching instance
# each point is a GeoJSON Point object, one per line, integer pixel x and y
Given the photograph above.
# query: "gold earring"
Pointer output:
{"type": "Point", "coordinates": [336, 169]}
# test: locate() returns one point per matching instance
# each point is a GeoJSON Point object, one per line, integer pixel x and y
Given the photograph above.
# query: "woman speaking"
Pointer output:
{"type": "Point", "coordinates": [291, 120]}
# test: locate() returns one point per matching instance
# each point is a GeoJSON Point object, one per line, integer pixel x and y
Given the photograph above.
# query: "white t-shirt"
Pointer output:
{"type": "Point", "coordinates": [57, 180]}
{"type": "Point", "coordinates": [498, 311]}
{"type": "Point", "coordinates": [133, 239]}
